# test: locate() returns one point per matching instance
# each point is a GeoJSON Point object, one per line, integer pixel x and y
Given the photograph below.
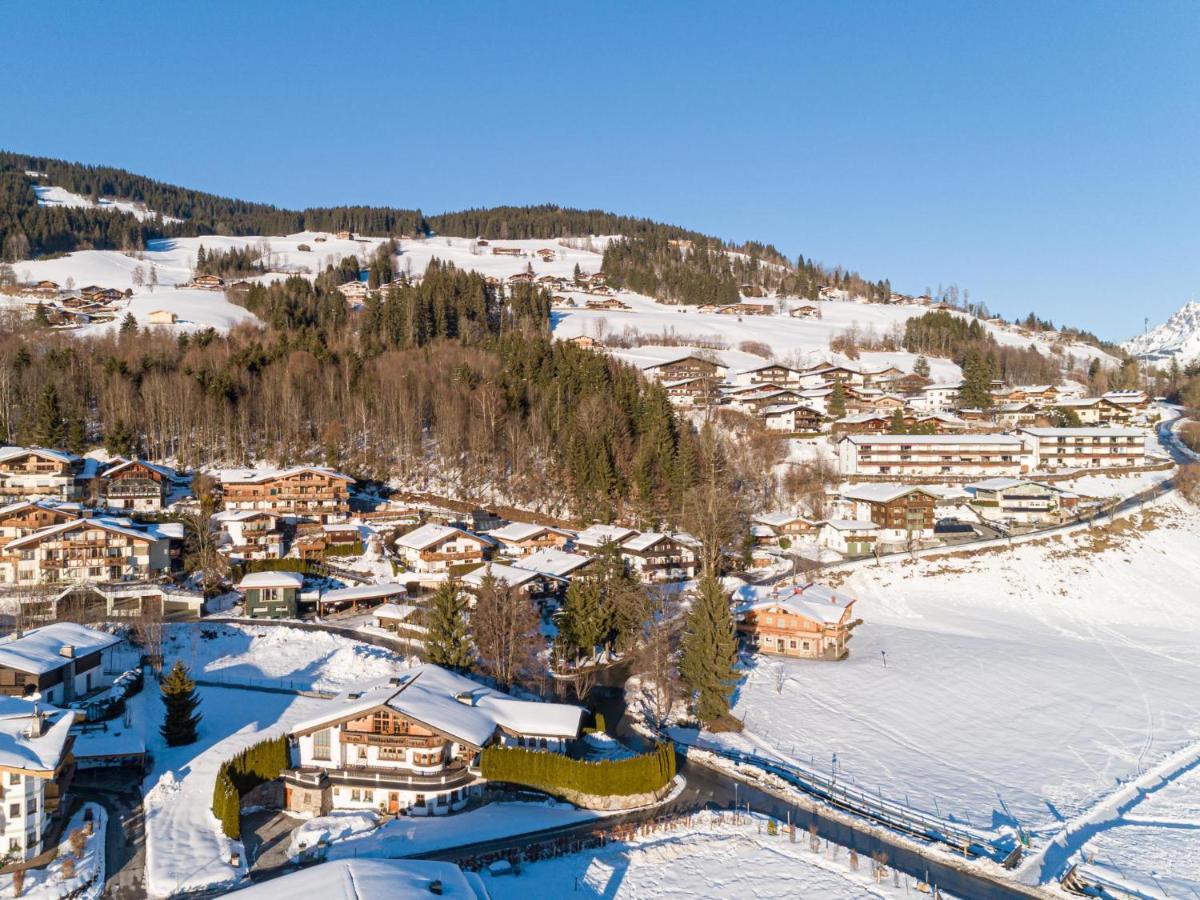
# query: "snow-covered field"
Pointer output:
{"type": "Point", "coordinates": [715, 857]}
{"type": "Point", "coordinates": [1021, 685]}
{"type": "Point", "coordinates": [56, 196]}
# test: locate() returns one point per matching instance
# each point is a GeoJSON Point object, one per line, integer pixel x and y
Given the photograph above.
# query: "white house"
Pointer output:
{"type": "Point", "coordinates": [850, 537]}
{"type": "Point", "coordinates": [941, 397]}
{"type": "Point", "coordinates": [1020, 500]}
{"type": "Point", "coordinates": [36, 767]}
{"type": "Point", "coordinates": [436, 548]}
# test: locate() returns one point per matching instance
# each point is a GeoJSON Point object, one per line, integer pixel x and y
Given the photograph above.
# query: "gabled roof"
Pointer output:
{"type": "Point", "coordinates": [553, 562]}
{"type": "Point", "coordinates": [40, 650]}
{"type": "Point", "coordinates": [428, 535]}
{"type": "Point", "coordinates": [645, 541]}
{"type": "Point", "coordinates": [363, 592]}
{"type": "Point", "coordinates": [126, 463]}
{"type": "Point", "coordinates": [71, 510]}
{"type": "Point", "coordinates": [595, 535]}
{"type": "Point", "coordinates": [61, 456]}
{"type": "Point", "coordinates": [812, 601]}
{"type": "Point", "coordinates": [42, 754]}
{"type": "Point", "coordinates": [257, 476]}
{"type": "Point", "coordinates": [113, 526]}
{"type": "Point", "coordinates": [779, 519]}
{"type": "Point", "coordinates": [1084, 432]}
{"type": "Point", "coordinates": [505, 575]}
{"type": "Point", "coordinates": [370, 879]}
{"type": "Point", "coordinates": [850, 525]}
{"type": "Point", "coordinates": [883, 493]}
{"type": "Point", "coordinates": [453, 705]}
{"type": "Point", "coordinates": [271, 580]}
{"type": "Point", "coordinates": [523, 531]}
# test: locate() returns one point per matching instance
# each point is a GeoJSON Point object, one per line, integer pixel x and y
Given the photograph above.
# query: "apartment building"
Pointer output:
{"type": "Point", "coordinates": [301, 492]}
{"type": "Point", "coordinates": [1084, 448]}
{"type": "Point", "coordinates": [39, 472]}
{"type": "Point", "coordinates": [932, 454]}
{"type": "Point", "coordinates": [95, 549]}
{"type": "Point", "coordinates": [36, 768]}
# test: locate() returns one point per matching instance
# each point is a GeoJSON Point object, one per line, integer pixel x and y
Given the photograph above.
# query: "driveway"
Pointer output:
{"type": "Point", "coordinates": [119, 792]}
{"type": "Point", "coordinates": [266, 836]}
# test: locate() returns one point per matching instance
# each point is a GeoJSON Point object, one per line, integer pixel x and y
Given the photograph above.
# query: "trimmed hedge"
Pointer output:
{"type": "Point", "coordinates": [555, 773]}
{"type": "Point", "coordinates": [238, 776]}
{"type": "Point", "coordinates": [290, 564]}
{"type": "Point", "coordinates": [355, 548]}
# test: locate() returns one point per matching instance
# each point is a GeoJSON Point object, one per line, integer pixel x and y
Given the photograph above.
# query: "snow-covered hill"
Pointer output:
{"type": "Point", "coordinates": [56, 196]}
{"type": "Point", "coordinates": [1178, 337]}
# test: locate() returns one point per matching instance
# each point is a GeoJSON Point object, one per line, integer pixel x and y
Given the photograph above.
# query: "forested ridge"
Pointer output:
{"type": "Point", "coordinates": [448, 377]}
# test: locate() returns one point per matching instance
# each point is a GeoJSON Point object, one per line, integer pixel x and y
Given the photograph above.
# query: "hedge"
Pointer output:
{"type": "Point", "coordinates": [555, 773]}
{"type": "Point", "coordinates": [255, 765]}
{"type": "Point", "coordinates": [290, 564]}
{"type": "Point", "coordinates": [355, 548]}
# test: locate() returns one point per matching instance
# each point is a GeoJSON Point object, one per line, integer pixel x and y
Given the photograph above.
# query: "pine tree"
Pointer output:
{"type": "Point", "coordinates": [447, 642]}
{"type": "Point", "coordinates": [180, 699]}
{"type": "Point", "coordinates": [129, 324]}
{"type": "Point", "coordinates": [709, 651]}
{"type": "Point", "coordinates": [837, 400]}
{"type": "Point", "coordinates": [976, 390]}
{"type": "Point", "coordinates": [897, 426]}
{"type": "Point", "coordinates": [921, 367]}
{"type": "Point", "coordinates": [40, 318]}
{"type": "Point", "coordinates": [50, 428]}
{"type": "Point", "coordinates": [583, 624]}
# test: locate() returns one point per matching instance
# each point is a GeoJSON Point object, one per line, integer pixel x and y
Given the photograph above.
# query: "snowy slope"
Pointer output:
{"type": "Point", "coordinates": [1178, 337]}
{"type": "Point", "coordinates": [1022, 684]}
{"type": "Point", "coordinates": [56, 196]}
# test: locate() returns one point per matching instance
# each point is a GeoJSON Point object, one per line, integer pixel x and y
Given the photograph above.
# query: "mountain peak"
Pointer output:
{"type": "Point", "coordinates": [1178, 337]}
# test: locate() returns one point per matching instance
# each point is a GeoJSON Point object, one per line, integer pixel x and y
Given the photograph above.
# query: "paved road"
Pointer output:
{"type": "Point", "coordinates": [118, 792]}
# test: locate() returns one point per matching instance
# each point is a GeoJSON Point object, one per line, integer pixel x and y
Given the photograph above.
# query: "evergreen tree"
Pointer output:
{"type": "Point", "coordinates": [837, 400]}
{"type": "Point", "coordinates": [447, 642]}
{"type": "Point", "coordinates": [709, 651]}
{"type": "Point", "coordinates": [128, 325]}
{"type": "Point", "coordinates": [50, 427]}
{"type": "Point", "coordinates": [40, 318]}
{"type": "Point", "coordinates": [583, 624]}
{"type": "Point", "coordinates": [976, 390]}
{"type": "Point", "coordinates": [897, 426]}
{"type": "Point", "coordinates": [119, 439]}
{"type": "Point", "coordinates": [180, 699]}
{"type": "Point", "coordinates": [921, 367]}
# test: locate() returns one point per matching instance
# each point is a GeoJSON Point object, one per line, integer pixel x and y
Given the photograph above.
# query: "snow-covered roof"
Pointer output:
{"type": "Point", "coordinates": [813, 601]}
{"type": "Point", "coordinates": [763, 531]}
{"type": "Point", "coordinates": [916, 439]}
{"type": "Point", "coordinates": [881, 493]}
{"type": "Point", "coordinates": [255, 476]}
{"type": "Point", "coordinates": [785, 408]}
{"type": "Point", "coordinates": [851, 525]}
{"type": "Point", "coordinates": [453, 705]}
{"type": "Point", "coordinates": [363, 592]}
{"type": "Point", "coordinates": [241, 515]}
{"type": "Point", "coordinates": [163, 471]}
{"type": "Point", "coordinates": [943, 386]}
{"type": "Point", "coordinates": [399, 611]}
{"type": "Point", "coordinates": [1084, 432]}
{"type": "Point", "coordinates": [368, 879]}
{"type": "Point", "coordinates": [66, 509]}
{"type": "Point", "coordinates": [553, 562]}
{"type": "Point", "coordinates": [17, 452]}
{"type": "Point", "coordinates": [18, 750]}
{"type": "Point", "coordinates": [508, 576]}
{"type": "Point", "coordinates": [522, 531]}
{"type": "Point", "coordinates": [428, 535]}
{"type": "Point", "coordinates": [41, 650]}
{"type": "Point", "coordinates": [114, 526]}
{"type": "Point", "coordinates": [779, 519]}
{"type": "Point", "coordinates": [645, 541]}
{"type": "Point", "coordinates": [271, 580]}
{"type": "Point", "coordinates": [595, 535]}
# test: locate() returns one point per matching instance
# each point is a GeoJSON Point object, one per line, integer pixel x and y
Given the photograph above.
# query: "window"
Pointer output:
{"type": "Point", "coordinates": [14, 844]}
{"type": "Point", "coordinates": [31, 806]}
{"type": "Point", "coordinates": [15, 777]}
{"type": "Point", "coordinates": [14, 810]}
{"type": "Point", "coordinates": [355, 795]}
{"type": "Point", "coordinates": [321, 744]}
{"type": "Point", "coordinates": [369, 796]}
{"type": "Point", "coordinates": [420, 800]}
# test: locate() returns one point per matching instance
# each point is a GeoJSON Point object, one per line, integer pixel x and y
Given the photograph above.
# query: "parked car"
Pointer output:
{"type": "Point", "coordinates": [952, 526]}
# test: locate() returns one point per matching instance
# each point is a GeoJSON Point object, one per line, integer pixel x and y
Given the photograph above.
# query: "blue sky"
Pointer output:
{"type": "Point", "coordinates": [1042, 155]}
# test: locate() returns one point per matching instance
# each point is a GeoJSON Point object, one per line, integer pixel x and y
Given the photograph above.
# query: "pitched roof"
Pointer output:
{"type": "Point", "coordinates": [508, 576]}
{"type": "Point", "coordinates": [522, 531]}
{"type": "Point", "coordinates": [882, 493]}
{"type": "Point", "coordinates": [40, 650]}
{"type": "Point", "coordinates": [369, 879]}
{"type": "Point", "coordinates": [18, 750]}
{"type": "Point", "coordinates": [812, 601]}
{"type": "Point", "coordinates": [271, 579]}
{"type": "Point", "coordinates": [17, 452]}
{"type": "Point", "coordinates": [363, 592]}
{"type": "Point", "coordinates": [595, 535]}
{"type": "Point", "coordinates": [114, 526]}
{"type": "Point", "coordinates": [256, 476]}
{"type": "Point", "coordinates": [850, 525]}
{"type": "Point", "coordinates": [126, 463]}
{"type": "Point", "coordinates": [1084, 432]}
{"type": "Point", "coordinates": [431, 533]}
{"type": "Point", "coordinates": [553, 562]}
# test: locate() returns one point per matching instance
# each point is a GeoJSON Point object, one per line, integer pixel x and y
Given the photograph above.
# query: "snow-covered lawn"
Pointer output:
{"type": "Point", "coordinates": [713, 858]}
{"type": "Point", "coordinates": [87, 878]}
{"type": "Point", "coordinates": [1021, 684]}
{"type": "Point", "coordinates": [305, 660]}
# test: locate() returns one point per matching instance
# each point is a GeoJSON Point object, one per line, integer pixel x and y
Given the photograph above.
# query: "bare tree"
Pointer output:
{"type": "Point", "coordinates": [655, 660]}
{"type": "Point", "coordinates": [714, 510]}
{"type": "Point", "coordinates": [504, 628]}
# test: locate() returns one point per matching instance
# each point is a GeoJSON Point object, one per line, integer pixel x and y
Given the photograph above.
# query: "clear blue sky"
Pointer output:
{"type": "Point", "coordinates": [1043, 155]}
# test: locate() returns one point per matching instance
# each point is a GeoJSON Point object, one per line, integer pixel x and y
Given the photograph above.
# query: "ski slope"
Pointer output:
{"type": "Point", "coordinates": [56, 196]}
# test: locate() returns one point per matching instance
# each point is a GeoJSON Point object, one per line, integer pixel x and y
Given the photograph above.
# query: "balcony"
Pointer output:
{"type": "Point", "coordinates": [393, 740]}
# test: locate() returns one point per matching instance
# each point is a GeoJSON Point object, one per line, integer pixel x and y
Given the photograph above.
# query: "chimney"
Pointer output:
{"type": "Point", "coordinates": [37, 723]}
{"type": "Point", "coordinates": [67, 650]}
{"type": "Point", "coordinates": [435, 886]}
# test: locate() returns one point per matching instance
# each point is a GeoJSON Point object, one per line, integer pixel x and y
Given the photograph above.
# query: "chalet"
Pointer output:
{"type": "Point", "coordinates": [506, 251]}
{"type": "Point", "coordinates": [411, 744]}
{"type": "Point", "coordinates": [38, 472]}
{"type": "Point", "coordinates": [1040, 395]}
{"type": "Point", "coordinates": [1138, 401]}
{"type": "Point", "coordinates": [345, 235]}
{"type": "Point", "coordinates": [95, 294]}
{"type": "Point", "coordinates": [747, 309]}
{"type": "Point", "coordinates": [314, 540]}
{"type": "Point", "coordinates": [47, 287]}
{"type": "Point", "coordinates": [438, 548]}
{"type": "Point", "coordinates": [902, 513]}
{"type": "Point", "coordinates": [886, 375]}
{"type": "Point", "coordinates": [847, 375]}
{"type": "Point", "coordinates": [250, 534]}
{"type": "Point", "coordinates": [537, 586]}
{"type": "Point", "coordinates": [806, 311]}
{"type": "Point", "coordinates": [1098, 410]}
{"type": "Point", "coordinates": [788, 524]}
{"type": "Point", "coordinates": [1019, 500]}
{"type": "Point", "coordinates": [1084, 448]}
{"type": "Point", "coordinates": [914, 423]}
{"type": "Point", "coordinates": [939, 397]}
{"type": "Point", "coordinates": [808, 621]}
{"type": "Point", "coordinates": [519, 539]}
{"type": "Point", "coordinates": [770, 373]}
{"type": "Point", "coordinates": [354, 291]}
{"type": "Point", "coordinates": [521, 278]}
{"type": "Point", "coordinates": [208, 282]}
{"type": "Point", "coordinates": [697, 391]}
{"type": "Point", "coordinates": [360, 597]}
{"type": "Point", "coordinates": [828, 292]}
{"type": "Point", "coordinates": [27, 516]}
{"type": "Point", "coordinates": [873, 400]}
{"type": "Point", "coordinates": [1013, 414]}
{"type": "Point", "coordinates": [708, 308]}
{"type": "Point", "coordinates": [35, 755]}
{"type": "Point", "coordinates": [97, 602]}
{"type": "Point", "coordinates": [655, 557]}
{"type": "Point", "coordinates": [271, 595]}
{"type": "Point", "coordinates": [931, 454]}
{"type": "Point", "coordinates": [556, 562]}
{"type": "Point", "coordinates": [161, 317]}
{"type": "Point", "coordinates": [56, 663]}
{"type": "Point", "coordinates": [587, 343]}
{"type": "Point", "coordinates": [594, 537]}
{"type": "Point", "coordinates": [792, 418]}
{"type": "Point", "coordinates": [94, 549]}
{"type": "Point", "coordinates": [610, 303]}
{"type": "Point", "coordinates": [136, 484]}
{"type": "Point", "coordinates": [754, 402]}
{"type": "Point", "coordinates": [546, 254]}
{"type": "Point", "coordinates": [687, 367]}
{"type": "Point", "coordinates": [314, 492]}
{"type": "Point", "coordinates": [850, 537]}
